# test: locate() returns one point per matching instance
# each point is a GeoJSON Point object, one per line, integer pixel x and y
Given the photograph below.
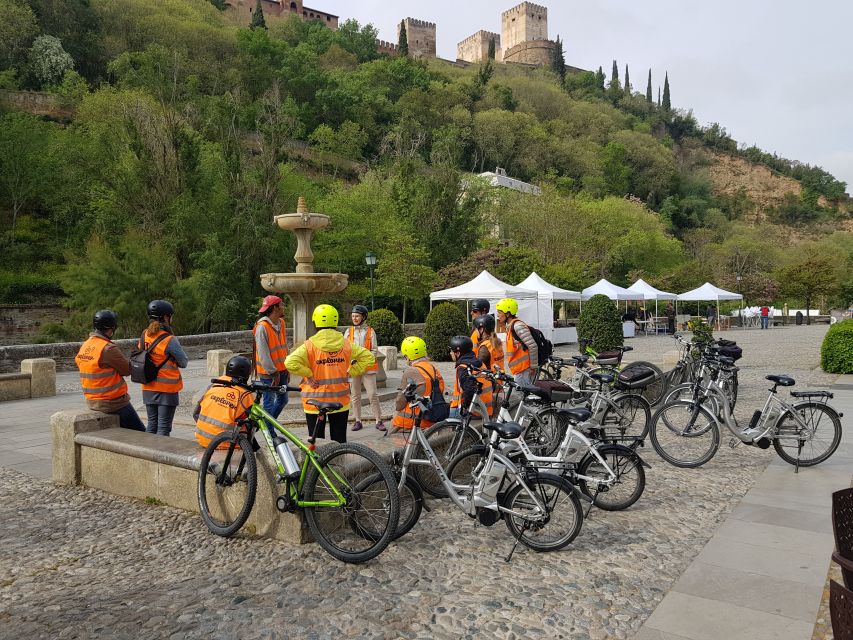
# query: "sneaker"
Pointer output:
{"type": "Point", "coordinates": [357, 426]}
{"type": "Point", "coordinates": [380, 425]}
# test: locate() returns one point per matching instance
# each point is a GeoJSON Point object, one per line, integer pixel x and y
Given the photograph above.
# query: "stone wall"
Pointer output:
{"type": "Point", "coordinates": [37, 103]}
{"type": "Point", "coordinates": [22, 322]}
{"type": "Point", "coordinates": [388, 48]}
{"type": "Point", "coordinates": [537, 53]}
{"type": "Point", "coordinates": [280, 10]}
{"type": "Point", "coordinates": [524, 22]}
{"type": "Point", "coordinates": [475, 48]}
{"type": "Point", "coordinates": [420, 36]}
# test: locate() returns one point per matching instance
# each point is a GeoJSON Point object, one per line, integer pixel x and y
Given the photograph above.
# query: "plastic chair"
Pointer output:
{"type": "Point", "coordinates": [842, 529]}
{"type": "Point", "coordinates": [841, 611]}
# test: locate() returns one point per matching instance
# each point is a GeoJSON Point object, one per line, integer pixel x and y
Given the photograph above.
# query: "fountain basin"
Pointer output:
{"type": "Point", "coordinates": [304, 283]}
{"type": "Point", "coordinates": [302, 220]}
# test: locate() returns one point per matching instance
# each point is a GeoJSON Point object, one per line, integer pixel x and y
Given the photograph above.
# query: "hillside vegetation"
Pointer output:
{"type": "Point", "coordinates": [189, 134]}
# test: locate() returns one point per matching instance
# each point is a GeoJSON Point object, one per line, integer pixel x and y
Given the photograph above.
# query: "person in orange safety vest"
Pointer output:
{"type": "Point", "coordinates": [222, 405]}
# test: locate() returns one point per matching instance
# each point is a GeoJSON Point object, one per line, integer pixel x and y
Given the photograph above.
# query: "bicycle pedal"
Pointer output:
{"type": "Point", "coordinates": [734, 443]}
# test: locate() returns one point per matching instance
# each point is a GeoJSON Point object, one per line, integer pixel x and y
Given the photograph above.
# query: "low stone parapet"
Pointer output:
{"type": "Point", "coordinates": [37, 379]}
{"type": "Point", "coordinates": [89, 448]}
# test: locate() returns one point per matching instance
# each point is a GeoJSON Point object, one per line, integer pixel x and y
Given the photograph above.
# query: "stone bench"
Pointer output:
{"type": "Point", "coordinates": [37, 379]}
{"type": "Point", "coordinates": [89, 448]}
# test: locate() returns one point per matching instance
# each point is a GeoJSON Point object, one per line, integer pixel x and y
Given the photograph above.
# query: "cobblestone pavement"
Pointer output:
{"type": "Point", "coordinates": [78, 563]}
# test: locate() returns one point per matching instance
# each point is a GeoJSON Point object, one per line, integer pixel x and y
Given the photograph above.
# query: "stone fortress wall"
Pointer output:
{"type": "Point", "coordinates": [281, 10]}
{"type": "Point", "coordinates": [475, 48]}
{"type": "Point", "coordinates": [524, 23]}
{"type": "Point", "coordinates": [420, 36]}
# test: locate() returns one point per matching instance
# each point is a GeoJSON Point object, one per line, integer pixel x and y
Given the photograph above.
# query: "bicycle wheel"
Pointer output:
{"type": "Point", "coordinates": [631, 419]}
{"type": "Point", "coordinates": [729, 387]}
{"type": "Point", "coordinates": [545, 432]}
{"type": "Point", "coordinates": [651, 392]}
{"type": "Point", "coordinates": [563, 519]}
{"type": "Point", "coordinates": [227, 485]}
{"type": "Point", "coordinates": [819, 438]}
{"type": "Point", "coordinates": [447, 438]}
{"type": "Point", "coordinates": [467, 465]}
{"type": "Point", "coordinates": [685, 434]}
{"type": "Point", "coordinates": [362, 528]}
{"type": "Point", "coordinates": [630, 478]}
{"type": "Point", "coordinates": [411, 504]}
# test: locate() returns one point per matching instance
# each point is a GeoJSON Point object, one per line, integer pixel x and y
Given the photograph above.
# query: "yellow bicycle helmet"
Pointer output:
{"type": "Point", "coordinates": [413, 348]}
{"type": "Point", "coordinates": [508, 305]}
{"type": "Point", "coordinates": [325, 315]}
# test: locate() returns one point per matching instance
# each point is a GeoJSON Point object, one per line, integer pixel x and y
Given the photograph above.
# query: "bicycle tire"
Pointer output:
{"type": "Point", "coordinates": [794, 429]}
{"type": "Point", "coordinates": [352, 533]}
{"type": "Point", "coordinates": [447, 439]}
{"type": "Point", "coordinates": [466, 465]}
{"type": "Point", "coordinates": [666, 431]}
{"type": "Point", "coordinates": [411, 504]}
{"type": "Point", "coordinates": [626, 465]}
{"type": "Point", "coordinates": [213, 486]}
{"type": "Point", "coordinates": [545, 432]}
{"type": "Point", "coordinates": [637, 414]}
{"type": "Point", "coordinates": [654, 391]}
{"type": "Point", "coordinates": [560, 500]}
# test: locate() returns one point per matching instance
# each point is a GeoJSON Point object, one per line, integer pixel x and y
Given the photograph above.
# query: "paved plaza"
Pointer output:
{"type": "Point", "coordinates": [736, 549]}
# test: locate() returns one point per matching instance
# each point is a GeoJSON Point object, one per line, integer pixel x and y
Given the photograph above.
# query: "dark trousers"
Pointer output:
{"type": "Point", "coordinates": [160, 418]}
{"type": "Point", "coordinates": [670, 325]}
{"type": "Point", "coordinates": [128, 418]}
{"type": "Point", "coordinates": [337, 425]}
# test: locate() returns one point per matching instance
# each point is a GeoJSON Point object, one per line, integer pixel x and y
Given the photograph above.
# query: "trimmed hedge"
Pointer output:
{"type": "Point", "coordinates": [601, 322]}
{"type": "Point", "coordinates": [836, 352]}
{"type": "Point", "coordinates": [443, 322]}
{"type": "Point", "coordinates": [389, 331]}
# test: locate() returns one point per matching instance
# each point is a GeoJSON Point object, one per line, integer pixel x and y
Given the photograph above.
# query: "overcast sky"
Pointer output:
{"type": "Point", "coordinates": [773, 72]}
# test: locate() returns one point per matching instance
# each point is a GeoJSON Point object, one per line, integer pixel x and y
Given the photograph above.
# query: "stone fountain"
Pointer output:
{"type": "Point", "coordinates": [305, 288]}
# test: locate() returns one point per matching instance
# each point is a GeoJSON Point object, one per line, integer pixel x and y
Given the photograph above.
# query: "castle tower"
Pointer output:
{"type": "Point", "coordinates": [421, 37]}
{"type": "Point", "coordinates": [525, 22]}
{"type": "Point", "coordinates": [475, 48]}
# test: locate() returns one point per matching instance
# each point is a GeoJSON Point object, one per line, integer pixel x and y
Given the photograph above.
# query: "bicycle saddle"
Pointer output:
{"type": "Point", "coordinates": [581, 359]}
{"type": "Point", "coordinates": [626, 349]}
{"type": "Point", "coordinates": [604, 378]}
{"type": "Point", "coordinates": [576, 414]}
{"type": "Point", "coordinates": [505, 430]}
{"type": "Point", "coordinates": [784, 381]}
{"type": "Point", "coordinates": [325, 406]}
{"type": "Point", "coordinates": [534, 391]}
{"type": "Point", "coordinates": [726, 361]}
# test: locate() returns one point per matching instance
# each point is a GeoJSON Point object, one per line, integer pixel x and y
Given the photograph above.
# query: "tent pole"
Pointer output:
{"type": "Point", "coordinates": [718, 313]}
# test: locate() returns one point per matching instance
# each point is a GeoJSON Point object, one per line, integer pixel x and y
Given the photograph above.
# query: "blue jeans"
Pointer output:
{"type": "Point", "coordinates": [129, 419]}
{"type": "Point", "coordinates": [274, 403]}
{"type": "Point", "coordinates": [765, 322]}
{"type": "Point", "coordinates": [160, 417]}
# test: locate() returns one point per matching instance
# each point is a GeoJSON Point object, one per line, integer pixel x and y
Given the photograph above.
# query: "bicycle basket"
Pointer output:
{"type": "Point", "coordinates": [557, 391]}
{"type": "Point", "coordinates": [635, 378]}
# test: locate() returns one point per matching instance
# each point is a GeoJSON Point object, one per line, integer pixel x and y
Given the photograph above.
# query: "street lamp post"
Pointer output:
{"type": "Point", "coordinates": [740, 315]}
{"type": "Point", "coordinates": [370, 260]}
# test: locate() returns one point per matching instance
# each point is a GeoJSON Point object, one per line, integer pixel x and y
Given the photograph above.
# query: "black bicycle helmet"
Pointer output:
{"type": "Point", "coordinates": [105, 319]}
{"type": "Point", "coordinates": [481, 305]}
{"type": "Point", "coordinates": [239, 368]}
{"type": "Point", "coordinates": [158, 309]}
{"type": "Point", "coordinates": [462, 344]}
{"type": "Point", "coordinates": [486, 322]}
{"type": "Point", "coordinates": [360, 308]}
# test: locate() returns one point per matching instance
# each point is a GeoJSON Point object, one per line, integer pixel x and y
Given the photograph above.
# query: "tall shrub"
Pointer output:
{"type": "Point", "coordinates": [389, 331]}
{"type": "Point", "coordinates": [836, 352]}
{"type": "Point", "coordinates": [443, 322]}
{"type": "Point", "coordinates": [601, 322]}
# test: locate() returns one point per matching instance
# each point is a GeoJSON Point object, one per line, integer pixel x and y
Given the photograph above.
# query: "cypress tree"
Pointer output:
{"type": "Point", "coordinates": [491, 48]}
{"type": "Point", "coordinates": [403, 40]}
{"type": "Point", "coordinates": [558, 60]}
{"type": "Point", "coordinates": [599, 78]}
{"type": "Point", "coordinates": [258, 21]}
{"type": "Point", "coordinates": [649, 88]}
{"type": "Point", "coordinates": [614, 90]}
{"type": "Point", "coordinates": [627, 81]}
{"type": "Point", "coordinates": [667, 104]}
{"type": "Point", "coordinates": [658, 97]}
{"type": "Point", "coordinates": [614, 75]}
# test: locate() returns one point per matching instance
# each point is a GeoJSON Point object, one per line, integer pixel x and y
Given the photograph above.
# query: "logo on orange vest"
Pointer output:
{"type": "Point", "coordinates": [337, 360]}
{"type": "Point", "coordinates": [225, 402]}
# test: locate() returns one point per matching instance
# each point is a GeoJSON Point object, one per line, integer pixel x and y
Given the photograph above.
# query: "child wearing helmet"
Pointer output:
{"type": "Point", "coordinates": [223, 404]}
{"type": "Point", "coordinates": [465, 383]}
{"type": "Point", "coordinates": [424, 374]}
{"type": "Point", "coordinates": [326, 361]}
{"type": "Point", "coordinates": [479, 307]}
{"type": "Point", "coordinates": [522, 352]}
{"type": "Point", "coordinates": [364, 336]}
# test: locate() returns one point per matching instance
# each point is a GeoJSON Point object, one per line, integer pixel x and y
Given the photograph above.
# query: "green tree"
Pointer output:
{"type": "Point", "coordinates": [558, 60]}
{"type": "Point", "coordinates": [444, 321]}
{"type": "Point", "coordinates": [492, 49]}
{"type": "Point", "coordinates": [403, 41]}
{"type": "Point", "coordinates": [258, 21]}
{"type": "Point", "coordinates": [809, 278]}
{"type": "Point", "coordinates": [599, 79]}
{"type": "Point", "coordinates": [614, 89]}
{"type": "Point", "coordinates": [617, 173]}
{"type": "Point", "coordinates": [601, 322]}
{"type": "Point", "coordinates": [649, 88]}
{"type": "Point", "coordinates": [23, 164]}
{"type": "Point", "coordinates": [48, 61]}
{"type": "Point", "coordinates": [666, 104]}
{"type": "Point", "coordinates": [403, 270]}
{"type": "Point", "coordinates": [219, 4]}
{"type": "Point", "coordinates": [627, 81]}
{"type": "Point", "coordinates": [18, 28]}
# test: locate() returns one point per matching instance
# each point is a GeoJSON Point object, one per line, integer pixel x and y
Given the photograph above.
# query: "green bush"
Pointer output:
{"type": "Point", "coordinates": [836, 352]}
{"type": "Point", "coordinates": [443, 322]}
{"type": "Point", "coordinates": [601, 322]}
{"type": "Point", "coordinates": [388, 329]}
{"type": "Point", "coordinates": [702, 332]}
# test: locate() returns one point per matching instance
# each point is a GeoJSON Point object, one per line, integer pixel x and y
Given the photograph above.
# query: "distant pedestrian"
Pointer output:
{"type": "Point", "coordinates": [711, 315]}
{"type": "Point", "coordinates": [270, 335]}
{"type": "Point", "coordinates": [161, 394]}
{"type": "Point", "coordinates": [670, 318]}
{"type": "Point", "coordinates": [765, 317]}
{"type": "Point", "coordinates": [364, 336]}
{"type": "Point", "coordinates": [102, 368]}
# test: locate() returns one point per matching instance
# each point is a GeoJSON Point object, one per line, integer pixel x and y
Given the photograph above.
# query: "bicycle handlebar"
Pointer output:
{"type": "Point", "coordinates": [256, 387]}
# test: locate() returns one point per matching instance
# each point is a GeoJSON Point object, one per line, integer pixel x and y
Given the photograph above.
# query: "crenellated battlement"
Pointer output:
{"type": "Point", "coordinates": [480, 35]}
{"type": "Point", "coordinates": [525, 8]}
{"type": "Point", "coordinates": [423, 24]}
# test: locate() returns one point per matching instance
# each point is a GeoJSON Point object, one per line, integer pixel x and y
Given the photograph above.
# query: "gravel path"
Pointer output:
{"type": "Point", "coordinates": [78, 563]}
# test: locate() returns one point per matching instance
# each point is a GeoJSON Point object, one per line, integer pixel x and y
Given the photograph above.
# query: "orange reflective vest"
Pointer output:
{"type": "Point", "coordinates": [496, 354]}
{"type": "Point", "coordinates": [169, 377]}
{"type": "Point", "coordinates": [277, 341]}
{"type": "Point", "coordinates": [518, 359]}
{"type": "Point", "coordinates": [368, 344]}
{"type": "Point", "coordinates": [99, 383]}
{"type": "Point", "coordinates": [221, 407]}
{"type": "Point", "coordinates": [405, 417]}
{"type": "Point", "coordinates": [475, 337]}
{"type": "Point", "coordinates": [486, 395]}
{"type": "Point", "coordinates": [331, 371]}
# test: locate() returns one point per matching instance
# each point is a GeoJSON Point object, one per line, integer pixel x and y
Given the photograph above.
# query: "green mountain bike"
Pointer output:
{"type": "Point", "coordinates": [352, 520]}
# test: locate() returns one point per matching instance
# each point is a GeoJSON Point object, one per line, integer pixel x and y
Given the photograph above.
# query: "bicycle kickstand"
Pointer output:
{"type": "Point", "coordinates": [591, 503]}
{"type": "Point", "coordinates": [517, 540]}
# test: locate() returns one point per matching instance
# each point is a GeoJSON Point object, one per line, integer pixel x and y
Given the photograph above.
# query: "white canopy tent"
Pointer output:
{"type": "Point", "coordinates": [650, 293]}
{"type": "Point", "coordinates": [547, 294]}
{"type": "Point", "coordinates": [708, 292]}
{"type": "Point", "coordinates": [617, 294]}
{"type": "Point", "coordinates": [487, 286]}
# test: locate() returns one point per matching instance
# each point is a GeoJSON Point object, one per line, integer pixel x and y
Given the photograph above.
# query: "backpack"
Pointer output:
{"type": "Point", "coordinates": [439, 409]}
{"type": "Point", "coordinates": [730, 349]}
{"type": "Point", "coordinates": [142, 367]}
{"type": "Point", "coordinates": [545, 346]}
